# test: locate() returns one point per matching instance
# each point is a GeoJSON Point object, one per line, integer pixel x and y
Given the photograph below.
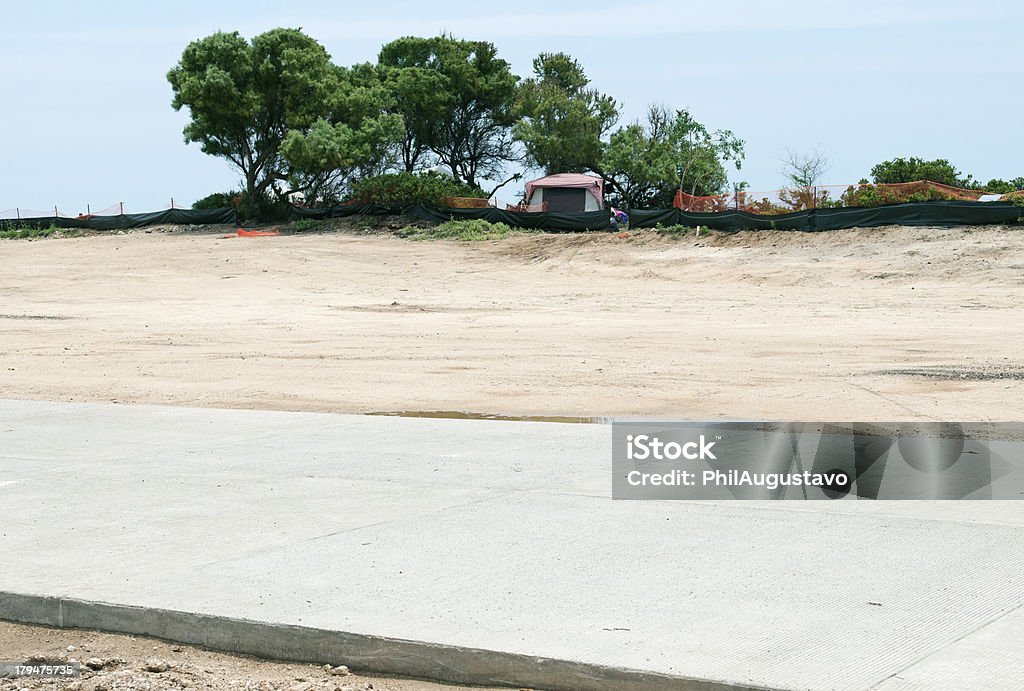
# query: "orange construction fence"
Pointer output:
{"type": "Point", "coordinates": [785, 201]}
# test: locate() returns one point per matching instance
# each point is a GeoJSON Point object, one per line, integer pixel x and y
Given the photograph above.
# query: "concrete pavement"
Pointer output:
{"type": "Point", "coordinates": [487, 552]}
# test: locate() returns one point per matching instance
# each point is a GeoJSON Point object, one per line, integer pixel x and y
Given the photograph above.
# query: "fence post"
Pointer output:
{"type": "Point", "coordinates": [18, 211]}
{"type": "Point", "coordinates": [122, 208]}
{"type": "Point", "coordinates": [55, 212]}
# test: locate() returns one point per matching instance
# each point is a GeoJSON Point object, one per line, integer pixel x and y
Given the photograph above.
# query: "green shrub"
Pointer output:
{"type": "Point", "coordinates": [25, 233]}
{"type": "Point", "coordinates": [766, 207]}
{"type": "Point", "coordinates": [880, 195]}
{"type": "Point", "coordinates": [266, 208]}
{"type": "Point", "coordinates": [218, 200]}
{"type": "Point", "coordinates": [802, 198]}
{"type": "Point", "coordinates": [469, 230]}
{"type": "Point", "coordinates": [674, 230]}
{"type": "Point", "coordinates": [305, 225]}
{"type": "Point", "coordinates": [403, 189]}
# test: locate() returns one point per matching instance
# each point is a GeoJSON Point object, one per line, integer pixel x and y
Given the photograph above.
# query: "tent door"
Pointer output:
{"type": "Point", "coordinates": [565, 198]}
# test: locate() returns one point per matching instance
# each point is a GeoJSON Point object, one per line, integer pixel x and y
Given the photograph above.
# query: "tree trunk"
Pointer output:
{"type": "Point", "coordinates": [250, 188]}
{"type": "Point", "coordinates": [408, 159]}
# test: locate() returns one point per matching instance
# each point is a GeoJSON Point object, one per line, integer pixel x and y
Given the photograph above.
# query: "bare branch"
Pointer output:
{"type": "Point", "coordinates": [805, 169]}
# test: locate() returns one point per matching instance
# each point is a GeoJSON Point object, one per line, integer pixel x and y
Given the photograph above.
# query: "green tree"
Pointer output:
{"type": "Point", "coordinates": [998, 186]}
{"type": "Point", "coordinates": [646, 163]}
{"type": "Point", "coordinates": [701, 154]}
{"type": "Point", "coordinates": [423, 97]}
{"type": "Point", "coordinates": [469, 131]}
{"type": "Point", "coordinates": [913, 169]}
{"type": "Point", "coordinates": [637, 163]}
{"type": "Point", "coordinates": [357, 137]}
{"type": "Point", "coordinates": [563, 122]}
{"type": "Point", "coordinates": [244, 97]}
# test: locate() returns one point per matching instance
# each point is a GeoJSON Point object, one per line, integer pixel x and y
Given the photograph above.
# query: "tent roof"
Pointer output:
{"type": "Point", "coordinates": [592, 184]}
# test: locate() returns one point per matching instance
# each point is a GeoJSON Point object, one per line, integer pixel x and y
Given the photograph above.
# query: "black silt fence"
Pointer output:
{"type": "Point", "coordinates": [127, 221]}
{"type": "Point", "coordinates": [933, 213]}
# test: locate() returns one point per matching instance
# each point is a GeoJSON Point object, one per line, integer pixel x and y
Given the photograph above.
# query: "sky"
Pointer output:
{"type": "Point", "coordinates": [87, 119]}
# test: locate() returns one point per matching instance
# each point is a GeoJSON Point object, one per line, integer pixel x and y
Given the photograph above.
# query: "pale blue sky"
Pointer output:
{"type": "Point", "coordinates": [87, 117]}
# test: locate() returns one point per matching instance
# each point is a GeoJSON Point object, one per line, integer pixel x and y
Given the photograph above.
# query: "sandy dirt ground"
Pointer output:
{"type": "Point", "coordinates": [868, 324]}
{"type": "Point", "coordinates": [124, 663]}
{"type": "Point", "coordinates": [879, 324]}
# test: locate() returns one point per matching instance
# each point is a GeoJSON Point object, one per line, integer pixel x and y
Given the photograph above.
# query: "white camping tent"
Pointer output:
{"type": "Point", "coordinates": [566, 192]}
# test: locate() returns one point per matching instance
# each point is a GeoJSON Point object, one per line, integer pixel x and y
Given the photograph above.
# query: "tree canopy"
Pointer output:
{"type": "Point", "coordinates": [244, 97]}
{"type": "Point", "coordinates": [563, 123]}
{"type": "Point", "coordinates": [289, 120]}
{"type": "Point", "coordinates": [939, 170]}
{"type": "Point", "coordinates": [913, 169]}
{"type": "Point", "coordinates": [998, 186]}
{"type": "Point", "coordinates": [647, 162]}
{"type": "Point", "coordinates": [422, 97]}
{"type": "Point", "coordinates": [357, 137]}
{"type": "Point", "coordinates": [458, 99]}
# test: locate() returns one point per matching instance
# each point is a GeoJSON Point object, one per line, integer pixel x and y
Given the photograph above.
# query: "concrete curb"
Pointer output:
{"type": "Point", "coordinates": [363, 653]}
